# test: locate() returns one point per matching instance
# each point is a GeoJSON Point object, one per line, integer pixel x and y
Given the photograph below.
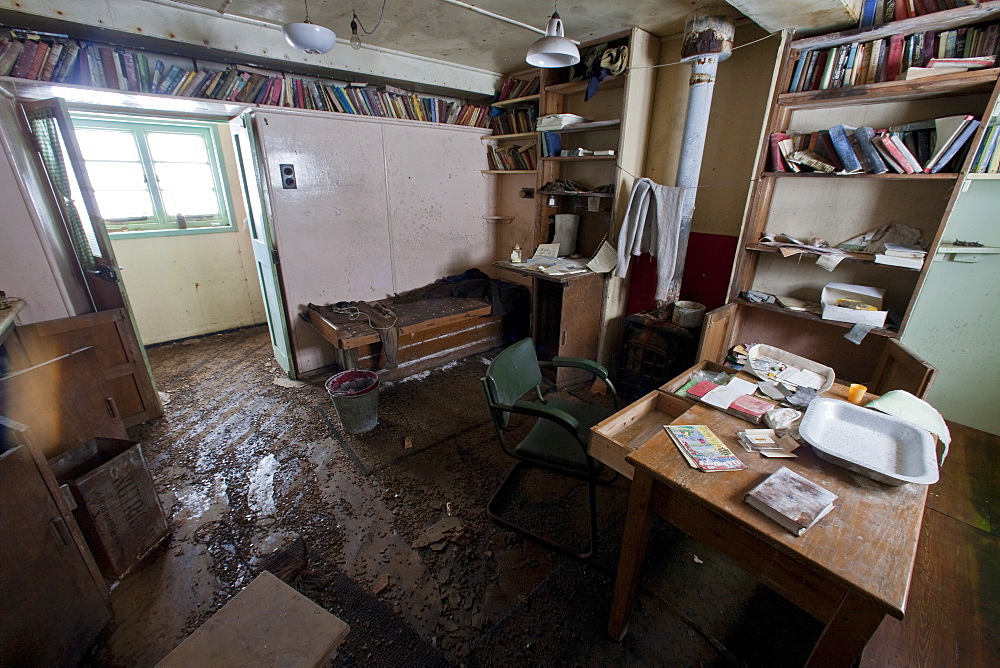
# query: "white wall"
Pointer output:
{"type": "Point", "coordinates": [381, 206]}
{"type": "Point", "coordinates": [956, 314]}
{"type": "Point", "coordinates": [192, 284]}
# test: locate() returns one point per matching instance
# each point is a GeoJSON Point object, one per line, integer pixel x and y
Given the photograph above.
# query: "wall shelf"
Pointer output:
{"type": "Point", "coordinates": [939, 176]}
{"type": "Point", "coordinates": [519, 135]}
{"type": "Point", "coordinates": [579, 158]}
{"type": "Point", "coordinates": [508, 171]}
{"type": "Point", "coordinates": [513, 102]}
{"type": "Point", "coordinates": [588, 127]}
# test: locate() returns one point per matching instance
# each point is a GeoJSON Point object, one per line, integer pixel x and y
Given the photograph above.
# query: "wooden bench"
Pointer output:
{"type": "Point", "coordinates": [432, 332]}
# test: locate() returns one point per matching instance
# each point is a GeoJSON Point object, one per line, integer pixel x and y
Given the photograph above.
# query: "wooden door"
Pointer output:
{"type": "Point", "coordinates": [53, 607]}
{"type": "Point", "coordinates": [63, 401]}
{"type": "Point", "coordinates": [121, 362]}
{"type": "Point", "coordinates": [717, 332]}
{"type": "Point", "coordinates": [899, 368]}
{"type": "Point", "coordinates": [265, 253]}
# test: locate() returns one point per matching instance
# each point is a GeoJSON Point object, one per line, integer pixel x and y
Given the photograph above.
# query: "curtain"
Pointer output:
{"type": "Point", "coordinates": [52, 149]}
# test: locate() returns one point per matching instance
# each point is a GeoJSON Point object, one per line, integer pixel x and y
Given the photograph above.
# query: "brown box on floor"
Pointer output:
{"type": "Point", "coordinates": [117, 506]}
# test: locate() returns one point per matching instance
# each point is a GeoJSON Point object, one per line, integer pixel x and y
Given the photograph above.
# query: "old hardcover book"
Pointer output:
{"type": "Point", "coordinates": [864, 135]}
{"type": "Point", "coordinates": [792, 501]}
{"type": "Point", "coordinates": [840, 136]}
{"type": "Point", "coordinates": [25, 59]}
{"type": "Point", "coordinates": [702, 448]}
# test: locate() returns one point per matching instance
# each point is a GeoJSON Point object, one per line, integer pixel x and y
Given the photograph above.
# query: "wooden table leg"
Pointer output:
{"type": "Point", "coordinates": [845, 637]}
{"type": "Point", "coordinates": [634, 542]}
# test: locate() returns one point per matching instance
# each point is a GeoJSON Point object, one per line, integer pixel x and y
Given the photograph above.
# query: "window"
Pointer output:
{"type": "Point", "coordinates": [153, 176]}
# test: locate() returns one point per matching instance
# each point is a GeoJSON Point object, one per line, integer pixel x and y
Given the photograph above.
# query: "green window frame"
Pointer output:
{"type": "Point", "coordinates": [162, 210]}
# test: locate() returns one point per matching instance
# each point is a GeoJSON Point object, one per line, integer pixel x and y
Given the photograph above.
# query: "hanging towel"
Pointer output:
{"type": "Point", "coordinates": [652, 224]}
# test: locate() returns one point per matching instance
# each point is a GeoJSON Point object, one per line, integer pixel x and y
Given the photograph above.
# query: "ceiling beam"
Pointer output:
{"type": "Point", "coordinates": [196, 32]}
{"type": "Point", "coordinates": [805, 16]}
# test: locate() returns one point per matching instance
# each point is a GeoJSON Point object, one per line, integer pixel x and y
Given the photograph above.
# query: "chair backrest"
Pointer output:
{"type": "Point", "coordinates": [511, 374]}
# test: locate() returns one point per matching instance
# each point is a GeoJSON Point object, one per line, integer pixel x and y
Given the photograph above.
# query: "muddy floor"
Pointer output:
{"type": "Point", "coordinates": [396, 536]}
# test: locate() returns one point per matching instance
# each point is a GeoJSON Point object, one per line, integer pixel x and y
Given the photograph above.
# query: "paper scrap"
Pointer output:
{"type": "Point", "coordinates": [858, 332]}
{"type": "Point", "coordinates": [801, 377]}
{"type": "Point", "coordinates": [724, 395]}
{"type": "Point", "coordinates": [546, 251]}
{"type": "Point", "coordinates": [604, 260]}
{"type": "Point", "coordinates": [830, 262]}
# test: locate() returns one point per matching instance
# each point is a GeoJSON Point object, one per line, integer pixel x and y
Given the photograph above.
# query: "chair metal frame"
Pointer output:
{"type": "Point", "coordinates": [505, 396]}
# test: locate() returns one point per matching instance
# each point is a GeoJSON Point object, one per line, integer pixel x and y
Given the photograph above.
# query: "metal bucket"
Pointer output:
{"type": "Point", "coordinates": [355, 396]}
{"type": "Point", "coordinates": [688, 314]}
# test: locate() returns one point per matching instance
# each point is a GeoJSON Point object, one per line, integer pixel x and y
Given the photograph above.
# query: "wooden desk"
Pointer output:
{"type": "Point", "coordinates": [848, 571]}
{"type": "Point", "coordinates": [565, 316]}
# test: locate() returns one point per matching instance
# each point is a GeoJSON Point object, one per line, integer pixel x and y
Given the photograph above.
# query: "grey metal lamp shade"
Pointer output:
{"type": "Point", "coordinates": [309, 37]}
{"type": "Point", "coordinates": [553, 50]}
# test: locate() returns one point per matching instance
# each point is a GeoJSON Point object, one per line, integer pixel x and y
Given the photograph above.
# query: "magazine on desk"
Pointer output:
{"type": "Point", "coordinates": [702, 448]}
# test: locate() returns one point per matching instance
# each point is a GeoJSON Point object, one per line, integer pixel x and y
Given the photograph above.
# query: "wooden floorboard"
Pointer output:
{"type": "Point", "coordinates": [953, 613]}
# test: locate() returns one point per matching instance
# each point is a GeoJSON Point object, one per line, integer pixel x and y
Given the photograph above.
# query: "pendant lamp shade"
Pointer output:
{"type": "Point", "coordinates": [553, 50]}
{"type": "Point", "coordinates": [309, 37]}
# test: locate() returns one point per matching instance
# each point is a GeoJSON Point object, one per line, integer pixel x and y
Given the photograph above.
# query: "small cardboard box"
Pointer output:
{"type": "Point", "coordinates": [834, 291]}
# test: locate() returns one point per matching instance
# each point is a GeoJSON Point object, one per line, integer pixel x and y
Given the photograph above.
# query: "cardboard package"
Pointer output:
{"type": "Point", "coordinates": [862, 293]}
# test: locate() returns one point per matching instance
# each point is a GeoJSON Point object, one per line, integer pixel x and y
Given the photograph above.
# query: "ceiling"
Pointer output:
{"type": "Point", "coordinates": [442, 30]}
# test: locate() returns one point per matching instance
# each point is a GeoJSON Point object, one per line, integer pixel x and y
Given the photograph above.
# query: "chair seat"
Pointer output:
{"type": "Point", "coordinates": [549, 443]}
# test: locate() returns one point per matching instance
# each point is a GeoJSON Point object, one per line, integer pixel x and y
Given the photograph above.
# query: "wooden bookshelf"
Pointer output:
{"type": "Point", "coordinates": [510, 137]}
{"type": "Point", "coordinates": [888, 176]}
{"type": "Point", "coordinates": [517, 101]}
{"type": "Point", "coordinates": [588, 127]}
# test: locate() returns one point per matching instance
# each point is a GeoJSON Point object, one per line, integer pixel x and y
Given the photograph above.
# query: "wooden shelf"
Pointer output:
{"type": "Point", "coordinates": [940, 176]}
{"type": "Point", "coordinates": [803, 315]}
{"type": "Point", "coordinates": [982, 176]}
{"type": "Point", "coordinates": [587, 127]}
{"type": "Point", "coordinates": [850, 256]}
{"type": "Point", "coordinates": [574, 87]}
{"type": "Point", "coordinates": [578, 193]}
{"type": "Point", "coordinates": [964, 83]}
{"type": "Point", "coordinates": [508, 171]}
{"type": "Point", "coordinates": [513, 102]}
{"type": "Point", "coordinates": [519, 135]}
{"type": "Point", "coordinates": [579, 158]}
{"type": "Point", "coordinates": [936, 21]}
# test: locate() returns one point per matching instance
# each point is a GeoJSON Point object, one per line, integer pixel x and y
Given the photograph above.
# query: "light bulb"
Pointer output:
{"type": "Point", "coordinates": [355, 38]}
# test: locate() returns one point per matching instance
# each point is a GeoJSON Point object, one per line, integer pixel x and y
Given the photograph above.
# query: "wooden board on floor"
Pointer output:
{"type": "Point", "coordinates": [969, 488]}
{"type": "Point", "coordinates": [266, 624]}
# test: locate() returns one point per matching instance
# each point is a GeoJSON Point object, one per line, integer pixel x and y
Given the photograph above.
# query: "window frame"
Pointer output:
{"type": "Point", "coordinates": [140, 125]}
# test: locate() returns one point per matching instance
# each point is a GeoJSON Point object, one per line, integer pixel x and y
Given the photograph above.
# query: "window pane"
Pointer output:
{"type": "Point", "coordinates": [124, 203]}
{"type": "Point", "coordinates": [184, 176]}
{"type": "Point", "coordinates": [107, 145]}
{"type": "Point", "coordinates": [191, 202]}
{"type": "Point", "coordinates": [174, 147]}
{"type": "Point", "coordinates": [116, 176]}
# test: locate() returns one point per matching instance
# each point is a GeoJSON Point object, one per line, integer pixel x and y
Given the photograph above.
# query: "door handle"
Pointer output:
{"type": "Point", "coordinates": [112, 407]}
{"type": "Point", "coordinates": [60, 531]}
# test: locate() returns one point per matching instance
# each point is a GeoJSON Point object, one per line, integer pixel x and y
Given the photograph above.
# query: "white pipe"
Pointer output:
{"type": "Point", "coordinates": [494, 15]}
{"type": "Point", "coordinates": [702, 87]}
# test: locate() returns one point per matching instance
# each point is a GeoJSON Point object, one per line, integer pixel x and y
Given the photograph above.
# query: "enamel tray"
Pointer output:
{"type": "Point", "coordinates": [863, 440]}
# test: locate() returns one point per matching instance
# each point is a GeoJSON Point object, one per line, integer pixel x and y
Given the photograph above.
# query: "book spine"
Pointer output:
{"type": "Point", "coordinates": [842, 145]}
{"type": "Point", "coordinates": [893, 150]}
{"type": "Point", "coordinates": [864, 135]}
{"type": "Point", "coordinates": [25, 59]}
{"type": "Point", "coordinates": [777, 159]}
{"type": "Point", "coordinates": [954, 147]}
{"type": "Point", "coordinates": [52, 61]}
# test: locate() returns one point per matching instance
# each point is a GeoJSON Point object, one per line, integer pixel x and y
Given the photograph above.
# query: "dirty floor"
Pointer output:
{"type": "Point", "coordinates": [397, 540]}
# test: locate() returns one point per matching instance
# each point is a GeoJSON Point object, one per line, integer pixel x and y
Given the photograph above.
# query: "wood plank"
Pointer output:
{"type": "Point", "coordinates": [964, 83]}
{"type": "Point", "coordinates": [488, 332]}
{"type": "Point", "coordinates": [969, 488]}
{"type": "Point", "coordinates": [937, 21]}
{"type": "Point", "coordinates": [266, 624]}
{"type": "Point", "coordinates": [953, 618]}
{"type": "Point", "coordinates": [899, 368]}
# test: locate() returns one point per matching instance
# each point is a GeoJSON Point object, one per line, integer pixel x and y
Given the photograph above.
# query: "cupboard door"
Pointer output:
{"type": "Point", "coordinates": [120, 360]}
{"type": "Point", "coordinates": [53, 607]}
{"type": "Point", "coordinates": [717, 333]}
{"type": "Point", "coordinates": [899, 368]}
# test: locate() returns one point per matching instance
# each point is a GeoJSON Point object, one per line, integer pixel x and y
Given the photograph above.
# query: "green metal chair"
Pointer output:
{"type": "Point", "coordinates": [558, 440]}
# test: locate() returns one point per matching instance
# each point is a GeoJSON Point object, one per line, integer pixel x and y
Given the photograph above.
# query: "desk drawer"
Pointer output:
{"type": "Point", "coordinates": [628, 429]}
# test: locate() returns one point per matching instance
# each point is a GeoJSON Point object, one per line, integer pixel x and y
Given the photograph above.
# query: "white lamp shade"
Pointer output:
{"type": "Point", "coordinates": [553, 50]}
{"type": "Point", "coordinates": [309, 37]}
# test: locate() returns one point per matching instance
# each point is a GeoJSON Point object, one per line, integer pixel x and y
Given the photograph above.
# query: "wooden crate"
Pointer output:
{"type": "Point", "coordinates": [613, 439]}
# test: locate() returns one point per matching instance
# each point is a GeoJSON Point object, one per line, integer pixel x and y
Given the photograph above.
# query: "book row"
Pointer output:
{"type": "Point", "coordinates": [511, 89]}
{"type": "Point", "coordinates": [931, 146]}
{"type": "Point", "coordinates": [514, 122]}
{"type": "Point", "coordinates": [64, 60]}
{"type": "Point", "coordinates": [891, 58]}
{"type": "Point", "coordinates": [987, 158]}
{"type": "Point", "coordinates": [880, 12]}
{"type": "Point", "coordinates": [506, 158]}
